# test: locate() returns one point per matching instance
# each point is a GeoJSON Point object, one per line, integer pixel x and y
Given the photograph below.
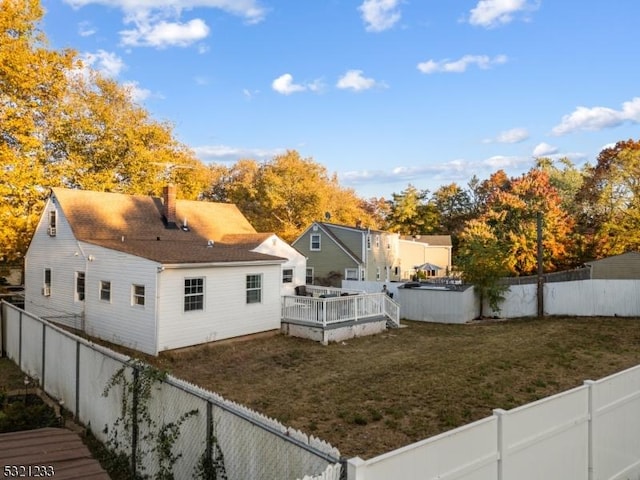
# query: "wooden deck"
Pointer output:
{"type": "Point", "coordinates": [58, 448]}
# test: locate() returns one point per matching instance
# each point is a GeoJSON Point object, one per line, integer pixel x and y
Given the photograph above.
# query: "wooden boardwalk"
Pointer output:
{"type": "Point", "coordinates": [54, 450]}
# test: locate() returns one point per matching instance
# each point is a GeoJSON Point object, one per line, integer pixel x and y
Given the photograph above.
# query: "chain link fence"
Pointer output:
{"type": "Point", "coordinates": [163, 424]}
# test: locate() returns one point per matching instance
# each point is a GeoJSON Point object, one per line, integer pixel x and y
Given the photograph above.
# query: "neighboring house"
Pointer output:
{"type": "Point", "coordinates": [340, 252]}
{"type": "Point", "coordinates": [429, 253]}
{"type": "Point", "coordinates": [618, 267]}
{"type": "Point", "coordinates": [155, 273]}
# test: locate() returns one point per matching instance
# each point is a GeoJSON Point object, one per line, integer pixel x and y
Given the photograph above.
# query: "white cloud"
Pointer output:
{"type": "Point", "coordinates": [458, 66]}
{"type": "Point", "coordinates": [226, 153]}
{"type": "Point", "coordinates": [250, 10]}
{"type": "Point", "coordinates": [164, 34]}
{"type": "Point", "coordinates": [137, 93]}
{"type": "Point", "coordinates": [354, 80]}
{"type": "Point", "coordinates": [515, 135]}
{"type": "Point", "coordinates": [491, 13]}
{"type": "Point", "coordinates": [107, 63]}
{"type": "Point", "coordinates": [544, 150]}
{"type": "Point", "coordinates": [285, 85]}
{"type": "Point", "coordinates": [157, 22]}
{"type": "Point", "coordinates": [598, 118]}
{"type": "Point", "coordinates": [85, 29]}
{"type": "Point", "coordinates": [379, 15]}
{"type": "Point", "coordinates": [502, 161]}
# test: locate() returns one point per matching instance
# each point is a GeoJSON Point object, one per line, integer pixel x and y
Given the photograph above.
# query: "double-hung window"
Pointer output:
{"type": "Point", "coordinates": [137, 295]}
{"type": "Point", "coordinates": [315, 242]}
{"type": "Point", "coordinates": [193, 294]}
{"type": "Point", "coordinates": [105, 290]}
{"type": "Point", "coordinates": [254, 288]}
{"type": "Point", "coordinates": [287, 275]}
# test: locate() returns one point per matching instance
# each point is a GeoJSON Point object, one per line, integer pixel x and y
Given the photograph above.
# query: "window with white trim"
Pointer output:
{"type": "Point", "coordinates": [254, 288]}
{"type": "Point", "coordinates": [314, 242]}
{"type": "Point", "coordinates": [368, 241]}
{"type": "Point", "coordinates": [193, 294]}
{"type": "Point", "coordinates": [287, 275]}
{"type": "Point", "coordinates": [137, 295]}
{"type": "Point", "coordinates": [377, 273]}
{"type": "Point", "coordinates": [377, 241]}
{"type": "Point", "coordinates": [105, 290]}
{"type": "Point", "coordinates": [351, 274]}
{"type": "Point", "coordinates": [308, 278]}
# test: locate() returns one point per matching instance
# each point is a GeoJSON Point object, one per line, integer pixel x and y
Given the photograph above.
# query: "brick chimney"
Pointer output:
{"type": "Point", "coordinates": [169, 206]}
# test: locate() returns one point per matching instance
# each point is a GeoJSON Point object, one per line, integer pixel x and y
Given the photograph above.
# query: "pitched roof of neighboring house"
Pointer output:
{"type": "Point", "coordinates": [433, 240]}
{"type": "Point", "coordinates": [135, 224]}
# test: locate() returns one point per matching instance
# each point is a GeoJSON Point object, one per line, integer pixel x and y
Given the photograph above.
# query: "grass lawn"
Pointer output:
{"type": "Point", "coordinates": [11, 378]}
{"type": "Point", "coordinates": [370, 395]}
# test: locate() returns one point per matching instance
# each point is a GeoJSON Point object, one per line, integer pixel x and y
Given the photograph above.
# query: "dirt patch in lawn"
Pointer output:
{"type": "Point", "coordinates": [369, 395]}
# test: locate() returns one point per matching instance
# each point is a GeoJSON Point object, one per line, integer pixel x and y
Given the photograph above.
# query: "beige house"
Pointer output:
{"type": "Point", "coordinates": [430, 254]}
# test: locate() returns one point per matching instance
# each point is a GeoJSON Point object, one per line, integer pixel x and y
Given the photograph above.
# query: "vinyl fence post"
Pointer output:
{"type": "Point", "coordinates": [500, 413]}
{"type": "Point", "coordinates": [591, 384]}
{"type": "Point", "coordinates": [44, 353]}
{"type": "Point", "coordinates": [356, 469]}
{"type": "Point", "coordinates": [77, 380]}
{"type": "Point", "coordinates": [20, 340]}
{"type": "Point", "coordinates": [134, 421]}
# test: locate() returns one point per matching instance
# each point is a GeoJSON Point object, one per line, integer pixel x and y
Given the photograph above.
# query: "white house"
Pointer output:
{"type": "Point", "coordinates": [155, 273]}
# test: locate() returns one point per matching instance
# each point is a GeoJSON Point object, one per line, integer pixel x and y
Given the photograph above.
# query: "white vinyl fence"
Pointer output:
{"type": "Point", "coordinates": [457, 304]}
{"type": "Point", "coordinates": [591, 432]}
{"type": "Point", "coordinates": [210, 430]}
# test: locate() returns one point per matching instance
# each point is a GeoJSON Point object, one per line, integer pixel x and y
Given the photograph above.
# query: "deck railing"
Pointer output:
{"type": "Point", "coordinates": [330, 310]}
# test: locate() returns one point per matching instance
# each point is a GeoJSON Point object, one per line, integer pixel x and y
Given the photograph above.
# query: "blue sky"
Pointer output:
{"type": "Point", "coordinates": [382, 92]}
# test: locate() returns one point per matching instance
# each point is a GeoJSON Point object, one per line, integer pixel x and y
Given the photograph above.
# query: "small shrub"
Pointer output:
{"type": "Point", "coordinates": [18, 416]}
{"type": "Point", "coordinates": [359, 419]}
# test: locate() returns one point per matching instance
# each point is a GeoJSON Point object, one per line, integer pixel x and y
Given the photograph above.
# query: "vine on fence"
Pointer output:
{"type": "Point", "coordinates": [134, 412]}
{"type": "Point", "coordinates": [211, 464]}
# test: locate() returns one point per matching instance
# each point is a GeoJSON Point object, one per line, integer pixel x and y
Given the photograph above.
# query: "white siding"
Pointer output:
{"type": "Point", "coordinates": [295, 260]}
{"type": "Point", "coordinates": [116, 321]}
{"type": "Point", "coordinates": [226, 313]}
{"type": "Point", "coordinates": [119, 321]}
{"type": "Point", "coordinates": [64, 257]}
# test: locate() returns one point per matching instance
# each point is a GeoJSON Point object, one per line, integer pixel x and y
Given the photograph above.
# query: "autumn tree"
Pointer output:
{"type": "Point", "coordinates": [454, 207]}
{"type": "Point", "coordinates": [609, 201]}
{"type": "Point", "coordinates": [483, 262]}
{"type": "Point", "coordinates": [63, 125]}
{"type": "Point", "coordinates": [287, 193]}
{"type": "Point", "coordinates": [510, 215]}
{"type": "Point", "coordinates": [32, 84]}
{"type": "Point", "coordinates": [411, 213]}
